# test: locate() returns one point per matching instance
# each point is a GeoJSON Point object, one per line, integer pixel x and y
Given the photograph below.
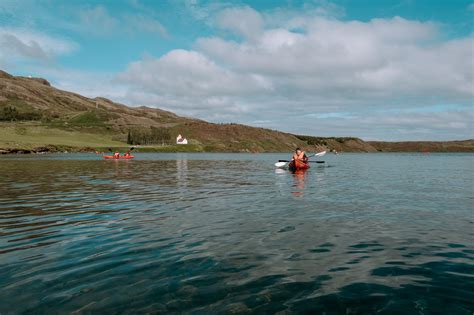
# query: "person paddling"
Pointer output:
{"type": "Point", "coordinates": [299, 161]}
{"type": "Point", "coordinates": [300, 155]}
{"type": "Point", "coordinates": [127, 154]}
{"type": "Point", "coordinates": [117, 155]}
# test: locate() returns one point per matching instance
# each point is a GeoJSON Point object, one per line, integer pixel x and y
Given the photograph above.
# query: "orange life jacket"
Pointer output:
{"type": "Point", "coordinates": [300, 157]}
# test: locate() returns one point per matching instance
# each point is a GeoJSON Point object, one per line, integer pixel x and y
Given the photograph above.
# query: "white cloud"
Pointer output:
{"type": "Point", "coordinates": [183, 72]}
{"type": "Point", "coordinates": [22, 44]}
{"type": "Point", "coordinates": [29, 49]}
{"type": "Point", "coordinates": [328, 65]}
{"type": "Point", "coordinates": [326, 8]}
{"type": "Point", "coordinates": [204, 11]}
{"type": "Point", "coordinates": [243, 21]}
{"type": "Point", "coordinates": [395, 125]}
{"type": "Point", "coordinates": [190, 83]}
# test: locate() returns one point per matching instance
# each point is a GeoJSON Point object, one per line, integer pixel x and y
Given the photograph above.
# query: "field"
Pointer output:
{"type": "Point", "coordinates": [31, 136]}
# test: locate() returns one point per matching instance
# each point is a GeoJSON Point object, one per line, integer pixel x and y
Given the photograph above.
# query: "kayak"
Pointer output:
{"type": "Point", "coordinates": [297, 165]}
{"type": "Point", "coordinates": [111, 157]}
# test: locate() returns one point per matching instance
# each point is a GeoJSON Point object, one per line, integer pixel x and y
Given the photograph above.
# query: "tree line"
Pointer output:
{"type": "Point", "coordinates": [10, 113]}
{"type": "Point", "coordinates": [146, 136]}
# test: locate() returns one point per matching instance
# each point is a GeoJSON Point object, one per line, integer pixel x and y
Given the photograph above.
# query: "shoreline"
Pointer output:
{"type": "Point", "coordinates": [60, 149]}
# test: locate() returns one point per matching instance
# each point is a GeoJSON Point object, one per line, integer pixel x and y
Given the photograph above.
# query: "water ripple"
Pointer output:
{"type": "Point", "coordinates": [225, 233]}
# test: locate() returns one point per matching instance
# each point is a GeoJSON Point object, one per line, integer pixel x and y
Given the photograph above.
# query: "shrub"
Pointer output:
{"type": "Point", "coordinates": [10, 113]}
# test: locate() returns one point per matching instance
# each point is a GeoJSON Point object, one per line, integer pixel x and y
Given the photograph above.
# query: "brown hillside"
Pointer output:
{"type": "Point", "coordinates": [36, 94]}
{"type": "Point", "coordinates": [34, 113]}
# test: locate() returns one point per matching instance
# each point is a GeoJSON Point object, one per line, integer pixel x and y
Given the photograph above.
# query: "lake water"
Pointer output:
{"type": "Point", "coordinates": [164, 233]}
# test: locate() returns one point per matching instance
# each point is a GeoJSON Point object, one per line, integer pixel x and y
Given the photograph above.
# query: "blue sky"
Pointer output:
{"type": "Point", "coordinates": [385, 70]}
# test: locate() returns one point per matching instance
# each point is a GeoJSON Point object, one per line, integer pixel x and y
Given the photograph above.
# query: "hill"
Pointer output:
{"type": "Point", "coordinates": [36, 117]}
{"type": "Point", "coordinates": [33, 114]}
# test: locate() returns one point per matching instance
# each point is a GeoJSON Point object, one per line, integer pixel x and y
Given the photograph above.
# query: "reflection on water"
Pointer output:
{"type": "Point", "coordinates": [227, 233]}
{"type": "Point", "coordinates": [182, 173]}
{"type": "Point", "coordinates": [299, 176]}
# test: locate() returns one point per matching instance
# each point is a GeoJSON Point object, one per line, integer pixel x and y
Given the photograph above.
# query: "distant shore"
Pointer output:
{"type": "Point", "coordinates": [386, 147]}
{"type": "Point", "coordinates": [36, 117]}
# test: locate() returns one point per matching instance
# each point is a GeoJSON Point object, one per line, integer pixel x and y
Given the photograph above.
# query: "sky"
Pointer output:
{"type": "Point", "coordinates": [379, 69]}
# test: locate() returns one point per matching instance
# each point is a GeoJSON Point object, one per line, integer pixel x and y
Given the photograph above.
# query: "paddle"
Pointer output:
{"type": "Point", "coordinates": [282, 163]}
{"type": "Point", "coordinates": [129, 151]}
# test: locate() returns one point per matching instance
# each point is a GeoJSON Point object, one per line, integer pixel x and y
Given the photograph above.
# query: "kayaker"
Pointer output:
{"type": "Point", "coordinates": [127, 154]}
{"type": "Point", "coordinates": [117, 155]}
{"type": "Point", "coordinates": [300, 155]}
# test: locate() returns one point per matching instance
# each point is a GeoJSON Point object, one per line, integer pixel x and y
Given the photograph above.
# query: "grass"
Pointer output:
{"type": "Point", "coordinates": [323, 140]}
{"type": "Point", "coordinates": [27, 136]}
{"type": "Point", "coordinates": [18, 104]}
{"type": "Point", "coordinates": [17, 110]}
{"type": "Point", "coordinates": [87, 118]}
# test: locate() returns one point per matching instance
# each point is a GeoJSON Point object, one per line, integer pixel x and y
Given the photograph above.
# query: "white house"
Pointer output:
{"type": "Point", "coordinates": [181, 140]}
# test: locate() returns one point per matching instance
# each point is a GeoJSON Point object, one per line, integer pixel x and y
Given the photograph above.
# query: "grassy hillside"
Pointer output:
{"type": "Point", "coordinates": [339, 144]}
{"type": "Point", "coordinates": [20, 135]}
{"type": "Point", "coordinates": [35, 115]}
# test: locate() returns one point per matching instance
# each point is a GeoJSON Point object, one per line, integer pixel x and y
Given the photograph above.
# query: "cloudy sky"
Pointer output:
{"type": "Point", "coordinates": [379, 70]}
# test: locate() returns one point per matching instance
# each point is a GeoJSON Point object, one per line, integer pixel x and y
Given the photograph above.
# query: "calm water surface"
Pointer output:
{"type": "Point", "coordinates": [366, 233]}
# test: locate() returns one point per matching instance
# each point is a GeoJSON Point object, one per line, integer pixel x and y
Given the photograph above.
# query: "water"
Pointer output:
{"type": "Point", "coordinates": [165, 233]}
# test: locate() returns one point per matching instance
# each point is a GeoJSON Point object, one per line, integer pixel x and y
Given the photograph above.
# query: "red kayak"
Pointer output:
{"type": "Point", "coordinates": [297, 165]}
{"type": "Point", "coordinates": [111, 157]}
